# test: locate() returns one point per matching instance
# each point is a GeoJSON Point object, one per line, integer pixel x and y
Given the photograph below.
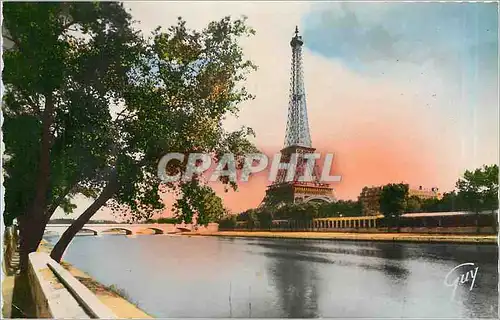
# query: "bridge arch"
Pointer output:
{"type": "Point", "coordinates": [88, 229]}
{"type": "Point", "coordinates": [127, 231]}
{"type": "Point", "coordinates": [156, 230]}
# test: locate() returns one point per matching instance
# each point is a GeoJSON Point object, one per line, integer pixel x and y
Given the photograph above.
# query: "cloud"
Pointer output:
{"type": "Point", "coordinates": [444, 34]}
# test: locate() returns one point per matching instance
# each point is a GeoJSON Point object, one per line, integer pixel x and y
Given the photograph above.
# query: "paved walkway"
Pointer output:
{"type": "Point", "coordinates": [7, 290]}
{"type": "Point", "coordinates": [10, 271]}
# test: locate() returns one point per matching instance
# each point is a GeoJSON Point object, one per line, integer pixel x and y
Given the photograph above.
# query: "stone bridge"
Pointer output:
{"type": "Point", "coordinates": [130, 229]}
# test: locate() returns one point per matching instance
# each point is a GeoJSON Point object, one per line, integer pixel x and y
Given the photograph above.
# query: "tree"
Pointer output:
{"type": "Point", "coordinates": [163, 220]}
{"type": "Point", "coordinates": [311, 213]}
{"type": "Point", "coordinates": [327, 210]}
{"type": "Point", "coordinates": [393, 199]}
{"type": "Point", "coordinates": [265, 217]}
{"type": "Point", "coordinates": [431, 205]}
{"type": "Point", "coordinates": [63, 59]}
{"type": "Point", "coordinates": [69, 64]}
{"type": "Point", "coordinates": [298, 214]}
{"type": "Point", "coordinates": [199, 200]}
{"type": "Point", "coordinates": [228, 222]}
{"type": "Point", "coordinates": [479, 190]}
{"type": "Point", "coordinates": [348, 208]}
{"type": "Point", "coordinates": [251, 218]}
{"type": "Point", "coordinates": [175, 101]}
{"type": "Point", "coordinates": [413, 204]}
{"type": "Point", "coordinates": [490, 194]}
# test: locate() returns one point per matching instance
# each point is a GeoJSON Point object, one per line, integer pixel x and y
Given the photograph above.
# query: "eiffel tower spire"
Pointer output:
{"type": "Point", "coordinates": [297, 142]}
{"type": "Point", "coordinates": [297, 127]}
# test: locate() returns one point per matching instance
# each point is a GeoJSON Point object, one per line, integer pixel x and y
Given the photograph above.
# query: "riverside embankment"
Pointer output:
{"type": "Point", "coordinates": [111, 296]}
{"type": "Point", "coordinates": [396, 237]}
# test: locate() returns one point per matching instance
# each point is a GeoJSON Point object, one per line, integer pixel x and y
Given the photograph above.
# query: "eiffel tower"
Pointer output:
{"type": "Point", "coordinates": [298, 141]}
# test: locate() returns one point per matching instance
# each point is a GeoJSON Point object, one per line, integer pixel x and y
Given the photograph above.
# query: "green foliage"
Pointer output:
{"type": "Point", "coordinates": [349, 208]}
{"type": "Point", "coordinates": [103, 105]}
{"type": "Point", "coordinates": [164, 220]}
{"type": "Point", "coordinates": [393, 200]}
{"type": "Point", "coordinates": [64, 64]}
{"type": "Point", "coordinates": [228, 222]}
{"type": "Point", "coordinates": [200, 200]}
{"type": "Point", "coordinates": [260, 217]}
{"type": "Point", "coordinates": [344, 208]}
{"type": "Point", "coordinates": [265, 218]}
{"type": "Point", "coordinates": [21, 136]}
{"type": "Point", "coordinates": [280, 196]}
{"type": "Point", "coordinates": [302, 213]}
{"type": "Point", "coordinates": [250, 217]}
{"type": "Point", "coordinates": [479, 188]}
{"type": "Point", "coordinates": [490, 194]}
{"type": "Point", "coordinates": [450, 201]}
{"type": "Point", "coordinates": [174, 90]}
{"type": "Point", "coordinates": [413, 204]}
{"type": "Point", "coordinates": [187, 83]}
{"type": "Point", "coordinates": [70, 221]}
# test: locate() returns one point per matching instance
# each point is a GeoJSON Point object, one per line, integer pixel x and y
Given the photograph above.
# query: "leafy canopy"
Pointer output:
{"type": "Point", "coordinates": [479, 188]}
{"type": "Point", "coordinates": [65, 63]}
{"type": "Point", "coordinates": [393, 199]}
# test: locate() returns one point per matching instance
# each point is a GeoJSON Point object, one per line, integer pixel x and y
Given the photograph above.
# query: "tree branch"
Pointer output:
{"type": "Point", "coordinates": [15, 41]}
{"type": "Point", "coordinates": [55, 204]}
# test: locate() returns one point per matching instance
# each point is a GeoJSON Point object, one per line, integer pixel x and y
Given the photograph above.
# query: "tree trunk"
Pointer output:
{"type": "Point", "coordinates": [43, 178]}
{"type": "Point", "coordinates": [30, 234]}
{"type": "Point", "coordinates": [495, 221]}
{"type": "Point", "coordinates": [477, 223]}
{"type": "Point", "coordinates": [32, 225]}
{"type": "Point", "coordinates": [68, 235]}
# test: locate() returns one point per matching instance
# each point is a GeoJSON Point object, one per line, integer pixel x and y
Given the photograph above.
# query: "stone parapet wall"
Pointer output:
{"type": "Point", "coordinates": [57, 294]}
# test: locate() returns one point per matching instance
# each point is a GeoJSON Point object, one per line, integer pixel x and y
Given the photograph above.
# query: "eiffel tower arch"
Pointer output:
{"type": "Point", "coordinates": [297, 141]}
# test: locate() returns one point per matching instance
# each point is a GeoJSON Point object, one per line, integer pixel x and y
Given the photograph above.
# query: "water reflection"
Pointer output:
{"type": "Point", "coordinates": [295, 280]}
{"type": "Point", "coordinates": [394, 255]}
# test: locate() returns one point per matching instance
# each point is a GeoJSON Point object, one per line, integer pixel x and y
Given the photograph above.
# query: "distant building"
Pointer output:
{"type": "Point", "coordinates": [422, 193]}
{"type": "Point", "coordinates": [370, 197]}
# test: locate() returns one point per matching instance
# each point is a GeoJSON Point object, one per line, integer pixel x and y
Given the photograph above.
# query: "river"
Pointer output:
{"type": "Point", "coordinates": [181, 276]}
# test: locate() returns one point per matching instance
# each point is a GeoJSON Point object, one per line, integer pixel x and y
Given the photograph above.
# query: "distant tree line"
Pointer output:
{"type": "Point", "coordinates": [299, 212]}
{"type": "Point", "coordinates": [476, 191]}
{"type": "Point", "coordinates": [70, 221]}
{"type": "Point", "coordinates": [172, 220]}
{"type": "Point", "coordinates": [164, 220]}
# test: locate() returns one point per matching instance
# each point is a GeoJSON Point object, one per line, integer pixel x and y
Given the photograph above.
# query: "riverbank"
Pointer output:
{"type": "Point", "coordinates": [113, 297]}
{"type": "Point", "coordinates": [395, 237]}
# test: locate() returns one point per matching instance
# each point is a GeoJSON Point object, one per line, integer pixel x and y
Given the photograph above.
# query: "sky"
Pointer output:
{"type": "Point", "coordinates": [397, 91]}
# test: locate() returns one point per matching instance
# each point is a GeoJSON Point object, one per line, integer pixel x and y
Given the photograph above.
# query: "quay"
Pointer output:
{"type": "Point", "coordinates": [57, 290]}
{"type": "Point", "coordinates": [395, 237]}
